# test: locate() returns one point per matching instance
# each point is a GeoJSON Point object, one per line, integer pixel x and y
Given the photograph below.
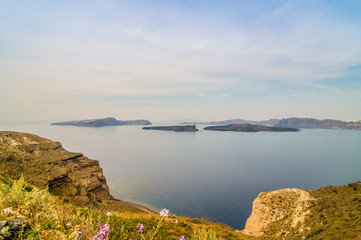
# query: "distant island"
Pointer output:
{"type": "Point", "coordinates": [292, 123]}
{"type": "Point", "coordinates": [250, 128]}
{"type": "Point", "coordinates": [101, 122]}
{"type": "Point", "coordinates": [186, 128]}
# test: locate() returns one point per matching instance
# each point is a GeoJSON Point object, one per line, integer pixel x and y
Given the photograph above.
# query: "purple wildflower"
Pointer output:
{"type": "Point", "coordinates": [182, 237]}
{"type": "Point", "coordinates": [303, 238]}
{"type": "Point", "coordinates": [103, 231]}
{"type": "Point", "coordinates": [140, 227]}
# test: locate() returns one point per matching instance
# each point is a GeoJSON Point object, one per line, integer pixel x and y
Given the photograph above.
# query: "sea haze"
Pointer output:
{"type": "Point", "coordinates": [209, 174]}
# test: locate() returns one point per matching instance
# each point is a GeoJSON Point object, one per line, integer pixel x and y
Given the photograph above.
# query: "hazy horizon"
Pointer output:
{"type": "Point", "coordinates": [167, 60]}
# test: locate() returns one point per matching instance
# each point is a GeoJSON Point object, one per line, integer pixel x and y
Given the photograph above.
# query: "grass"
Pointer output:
{"type": "Point", "coordinates": [48, 217]}
{"type": "Point", "coordinates": [334, 213]}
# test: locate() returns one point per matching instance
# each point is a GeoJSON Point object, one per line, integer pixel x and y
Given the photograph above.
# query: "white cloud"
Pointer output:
{"type": "Point", "coordinates": [114, 48]}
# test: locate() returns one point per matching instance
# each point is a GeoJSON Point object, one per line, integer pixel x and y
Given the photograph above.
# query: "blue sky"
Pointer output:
{"type": "Point", "coordinates": [164, 60]}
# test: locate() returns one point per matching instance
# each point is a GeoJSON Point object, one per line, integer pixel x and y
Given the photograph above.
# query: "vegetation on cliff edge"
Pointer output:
{"type": "Point", "coordinates": [45, 216]}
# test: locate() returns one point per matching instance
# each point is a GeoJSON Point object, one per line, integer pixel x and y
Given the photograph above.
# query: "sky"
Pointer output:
{"type": "Point", "coordinates": [179, 59]}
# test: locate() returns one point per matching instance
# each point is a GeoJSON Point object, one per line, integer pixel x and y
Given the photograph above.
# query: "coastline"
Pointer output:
{"type": "Point", "coordinates": [140, 206]}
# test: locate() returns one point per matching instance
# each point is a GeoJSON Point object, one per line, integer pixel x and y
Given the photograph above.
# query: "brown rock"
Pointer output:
{"type": "Point", "coordinates": [44, 163]}
{"type": "Point", "coordinates": [286, 207]}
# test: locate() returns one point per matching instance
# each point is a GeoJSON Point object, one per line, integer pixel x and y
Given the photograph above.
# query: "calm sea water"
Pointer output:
{"type": "Point", "coordinates": [214, 175]}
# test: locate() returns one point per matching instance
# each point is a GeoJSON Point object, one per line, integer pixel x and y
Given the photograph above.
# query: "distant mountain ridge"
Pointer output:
{"type": "Point", "coordinates": [101, 122]}
{"type": "Point", "coordinates": [250, 128]}
{"type": "Point", "coordinates": [292, 123]}
{"type": "Point", "coordinates": [315, 123]}
{"type": "Point", "coordinates": [269, 122]}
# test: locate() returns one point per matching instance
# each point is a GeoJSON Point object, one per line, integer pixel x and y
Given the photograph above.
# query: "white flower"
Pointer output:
{"type": "Point", "coordinates": [164, 213]}
{"type": "Point", "coordinates": [109, 214]}
{"type": "Point", "coordinates": [8, 211]}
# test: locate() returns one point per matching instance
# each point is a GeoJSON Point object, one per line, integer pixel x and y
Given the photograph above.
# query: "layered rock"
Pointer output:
{"type": "Point", "coordinates": [44, 163]}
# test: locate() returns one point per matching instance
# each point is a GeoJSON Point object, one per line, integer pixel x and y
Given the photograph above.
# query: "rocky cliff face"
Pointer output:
{"type": "Point", "coordinates": [288, 205]}
{"type": "Point", "coordinates": [43, 163]}
{"type": "Point", "coordinates": [332, 212]}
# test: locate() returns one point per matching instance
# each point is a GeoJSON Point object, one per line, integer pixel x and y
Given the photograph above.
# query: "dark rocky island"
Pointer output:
{"type": "Point", "coordinates": [110, 121]}
{"type": "Point", "coordinates": [186, 128]}
{"type": "Point", "coordinates": [250, 128]}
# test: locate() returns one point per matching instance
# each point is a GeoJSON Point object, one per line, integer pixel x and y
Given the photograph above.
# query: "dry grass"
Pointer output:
{"type": "Point", "coordinates": [48, 217]}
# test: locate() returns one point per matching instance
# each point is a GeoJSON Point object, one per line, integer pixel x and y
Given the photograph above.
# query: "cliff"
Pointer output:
{"type": "Point", "coordinates": [110, 121]}
{"type": "Point", "coordinates": [187, 128]}
{"type": "Point", "coordinates": [43, 163]}
{"type": "Point", "coordinates": [250, 128]}
{"type": "Point", "coordinates": [331, 212]}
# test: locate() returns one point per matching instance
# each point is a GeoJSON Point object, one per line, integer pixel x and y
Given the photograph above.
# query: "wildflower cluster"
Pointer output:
{"type": "Point", "coordinates": [75, 234]}
{"type": "Point", "coordinates": [140, 227]}
{"type": "Point", "coordinates": [103, 232]}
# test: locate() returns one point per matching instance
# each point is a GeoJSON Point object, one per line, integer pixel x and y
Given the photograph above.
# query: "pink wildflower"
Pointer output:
{"type": "Point", "coordinates": [140, 227]}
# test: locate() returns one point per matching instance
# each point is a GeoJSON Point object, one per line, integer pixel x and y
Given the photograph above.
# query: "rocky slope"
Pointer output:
{"type": "Point", "coordinates": [272, 207]}
{"type": "Point", "coordinates": [332, 212]}
{"type": "Point", "coordinates": [250, 128]}
{"type": "Point", "coordinates": [43, 163]}
{"type": "Point", "coordinates": [110, 121]}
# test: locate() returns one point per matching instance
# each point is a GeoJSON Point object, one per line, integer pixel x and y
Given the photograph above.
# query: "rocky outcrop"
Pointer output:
{"type": "Point", "coordinates": [44, 163]}
{"type": "Point", "coordinates": [250, 128]}
{"type": "Point", "coordinates": [186, 128]}
{"type": "Point", "coordinates": [290, 205]}
{"type": "Point", "coordinates": [331, 212]}
{"type": "Point", "coordinates": [110, 121]}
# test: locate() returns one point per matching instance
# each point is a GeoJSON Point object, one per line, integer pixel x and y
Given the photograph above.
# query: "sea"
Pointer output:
{"type": "Point", "coordinates": [209, 174]}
